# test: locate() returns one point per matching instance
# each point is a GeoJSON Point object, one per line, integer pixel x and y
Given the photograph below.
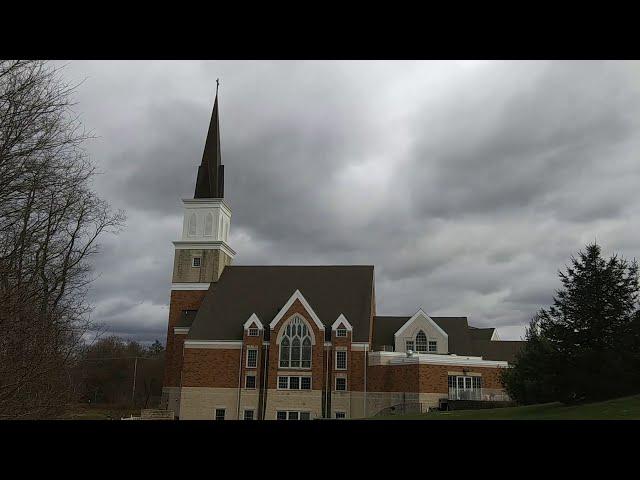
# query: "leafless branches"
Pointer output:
{"type": "Point", "coordinates": [50, 221]}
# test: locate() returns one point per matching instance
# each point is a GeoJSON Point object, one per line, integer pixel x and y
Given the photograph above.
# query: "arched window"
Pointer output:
{"type": "Point", "coordinates": [208, 224]}
{"type": "Point", "coordinates": [421, 342]}
{"type": "Point", "coordinates": [295, 345]}
{"type": "Point", "coordinates": [192, 225]}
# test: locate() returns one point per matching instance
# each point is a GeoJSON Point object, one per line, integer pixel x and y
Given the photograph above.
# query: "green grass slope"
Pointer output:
{"type": "Point", "coordinates": [627, 408]}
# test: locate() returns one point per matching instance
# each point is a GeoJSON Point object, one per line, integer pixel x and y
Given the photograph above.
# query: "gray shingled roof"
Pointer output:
{"type": "Point", "coordinates": [463, 339]}
{"type": "Point", "coordinates": [264, 290]}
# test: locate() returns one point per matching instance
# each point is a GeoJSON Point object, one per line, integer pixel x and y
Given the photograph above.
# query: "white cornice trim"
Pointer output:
{"type": "Point", "coordinates": [413, 319]}
{"type": "Point", "coordinates": [253, 319]}
{"type": "Point", "coordinates": [190, 286]}
{"type": "Point", "coordinates": [400, 358]}
{"type": "Point", "coordinates": [297, 295]}
{"type": "Point", "coordinates": [360, 346]}
{"type": "Point", "coordinates": [220, 344]}
{"type": "Point", "coordinates": [207, 202]}
{"type": "Point", "coordinates": [342, 319]}
{"type": "Point", "coordinates": [180, 330]}
{"type": "Point", "coordinates": [205, 245]}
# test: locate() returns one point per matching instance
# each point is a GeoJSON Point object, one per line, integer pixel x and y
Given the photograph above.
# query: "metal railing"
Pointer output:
{"type": "Point", "coordinates": [462, 394]}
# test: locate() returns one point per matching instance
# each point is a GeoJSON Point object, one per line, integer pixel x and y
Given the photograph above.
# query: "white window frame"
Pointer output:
{"type": "Point", "coordinates": [336, 384]}
{"type": "Point", "coordinates": [224, 413]}
{"type": "Point", "coordinates": [288, 382]}
{"type": "Point", "coordinates": [255, 381]}
{"type": "Point", "coordinates": [253, 414]}
{"type": "Point", "coordinates": [193, 262]}
{"type": "Point", "coordinates": [253, 332]}
{"type": "Point", "coordinates": [252, 349]}
{"type": "Point", "coordinates": [341, 332]}
{"type": "Point", "coordinates": [412, 347]}
{"type": "Point", "coordinates": [288, 414]}
{"type": "Point", "coordinates": [340, 412]}
{"type": "Point", "coordinates": [422, 346]}
{"type": "Point", "coordinates": [435, 346]}
{"type": "Point", "coordinates": [337, 367]}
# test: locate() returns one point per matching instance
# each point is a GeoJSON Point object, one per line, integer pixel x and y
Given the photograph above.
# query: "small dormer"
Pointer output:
{"type": "Point", "coordinates": [421, 334]}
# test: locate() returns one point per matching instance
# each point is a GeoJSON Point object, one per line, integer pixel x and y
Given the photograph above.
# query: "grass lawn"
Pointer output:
{"type": "Point", "coordinates": [627, 408]}
{"type": "Point", "coordinates": [98, 412]}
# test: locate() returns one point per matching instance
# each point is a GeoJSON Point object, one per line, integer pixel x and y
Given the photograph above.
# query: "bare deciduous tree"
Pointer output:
{"type": "Point", "coordinates": [50, 221]}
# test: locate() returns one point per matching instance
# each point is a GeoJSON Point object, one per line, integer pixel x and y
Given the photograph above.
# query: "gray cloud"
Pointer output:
{"type": "Point", "coordinates": [467, 184]}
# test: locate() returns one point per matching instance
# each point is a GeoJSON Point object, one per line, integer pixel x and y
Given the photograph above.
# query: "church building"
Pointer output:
{"type": "Point", "coordinates": [302, 342]}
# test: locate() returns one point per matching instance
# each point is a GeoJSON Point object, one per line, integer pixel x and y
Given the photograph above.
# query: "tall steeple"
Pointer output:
{"type": "Point", "coordinates": [210, 181]}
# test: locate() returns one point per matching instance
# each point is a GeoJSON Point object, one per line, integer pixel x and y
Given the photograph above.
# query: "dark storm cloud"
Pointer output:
{"type": "Point", "coordinates": [467, 185]}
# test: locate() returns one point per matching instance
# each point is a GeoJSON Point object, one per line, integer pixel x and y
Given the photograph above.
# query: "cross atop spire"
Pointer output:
{"type": "Point", "coordinates": [210, 182]}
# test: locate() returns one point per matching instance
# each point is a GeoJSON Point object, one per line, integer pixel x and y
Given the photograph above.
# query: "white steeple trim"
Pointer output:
{"type": "Point", "coordinates": [297, 295]}
{"type": "Point", "coordinates": [342, 320]}
{"type": "Point", "coordinates": [419, 313]}
{"type": "Point", "coordinates": [253, 319]}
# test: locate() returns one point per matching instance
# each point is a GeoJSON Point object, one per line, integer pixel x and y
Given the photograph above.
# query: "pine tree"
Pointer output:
{"type": "Point", "coordinates": [586, 346]}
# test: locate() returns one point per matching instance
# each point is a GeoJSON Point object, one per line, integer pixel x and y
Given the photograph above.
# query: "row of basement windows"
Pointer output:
{"type": "Point", "coordinates": [297, 415]}
{"type": "Point", "coordinates": [280, 415]}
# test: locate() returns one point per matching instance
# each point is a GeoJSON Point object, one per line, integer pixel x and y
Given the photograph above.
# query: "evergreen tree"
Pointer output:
{"type": "Point", "coordinates": [586, 346]}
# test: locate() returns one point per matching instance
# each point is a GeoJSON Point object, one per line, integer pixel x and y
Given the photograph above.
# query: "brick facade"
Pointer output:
{"type": "Point", "coordinates": [211, 367]}
{"type": "Point", "coordinates": [180, 300]}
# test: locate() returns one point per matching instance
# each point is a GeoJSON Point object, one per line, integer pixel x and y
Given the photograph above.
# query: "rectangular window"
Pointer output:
{"type": "Point", "coordinates": [220, 412]}
{"type": "Point", "coordinates": [283, 383]}
{"type": "Point", "coordinates": [248, 414]}
{"type": "Point", "coordinates": [341, 360]}
{"type": "Point", "coordinates": [195, 262]}
{"type": "Point", "coordinates": [292, 415]}
{"type": "Point", "coordinates": [341, 415]}
{"type": "Point", "coordinates": [410, 345]}
{"type": "Point", "coordinates": [252, 358]}
{"type": "Point", "coordinates": [341, 384]}
{"type": "Point", "coordinates": [433, 346]}
{"type": "Point", "coordinates": [253, 332]}
{"type": "Point", "coordinates": [341, 332]}
{"type": "Point", "coordinates": [250, 381]}
{"type": "Point", "coordinates": [305, 383]}
{"type": "Point", "coordinates": [294, 383]}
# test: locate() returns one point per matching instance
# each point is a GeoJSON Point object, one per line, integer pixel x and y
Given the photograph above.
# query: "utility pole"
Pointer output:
{"type": "Point", "coordinates": [135, 370]}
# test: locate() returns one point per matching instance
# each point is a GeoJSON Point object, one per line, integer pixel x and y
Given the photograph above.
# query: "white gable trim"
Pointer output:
{"type": "Point", "coordinates": [413, 319]}
{"type": "Point", "coordinates": [342, 319]}
{"type": "Point", "coordinates": [297, 296]}
{"type": "Point", "coordinates": [495, 335]}
{"type": "Point", "coordinates": [253, 319]}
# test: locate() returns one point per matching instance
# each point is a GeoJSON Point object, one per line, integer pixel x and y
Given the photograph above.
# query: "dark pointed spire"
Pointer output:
{"type": "Point", "coordinates": [210, 182]}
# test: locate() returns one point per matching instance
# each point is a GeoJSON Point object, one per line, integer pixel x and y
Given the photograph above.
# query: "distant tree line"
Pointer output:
{"type": "Point", "coordinates": [586, 346]}
{"type": "Point", "coordinates": [104, 373]}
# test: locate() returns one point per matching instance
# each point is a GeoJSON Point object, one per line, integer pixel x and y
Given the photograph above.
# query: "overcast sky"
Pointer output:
{"type": "Point", "coordinates": [466, 184]}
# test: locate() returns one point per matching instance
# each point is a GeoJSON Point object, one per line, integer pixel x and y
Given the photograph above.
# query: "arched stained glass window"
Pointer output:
{"type": "Point", "coordinates": [295, 345]}
{"type": "Point", "coordinates": [421, 342]}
